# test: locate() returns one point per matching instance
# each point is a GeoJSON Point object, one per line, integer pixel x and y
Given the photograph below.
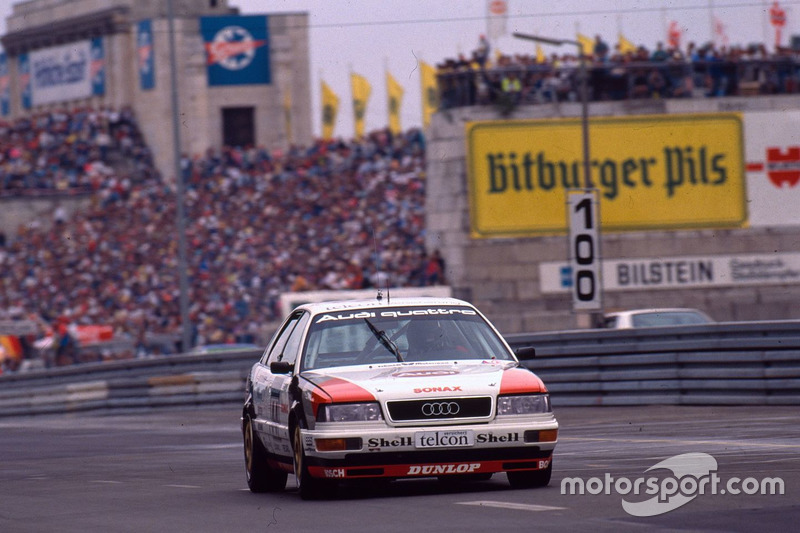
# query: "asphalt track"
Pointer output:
{"type": "Point", "coordinates": [183, 471]}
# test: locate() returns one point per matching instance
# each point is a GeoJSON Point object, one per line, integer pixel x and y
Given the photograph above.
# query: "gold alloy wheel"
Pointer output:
{"type": "Point", "coordinates": [298, 453]}
{"type": "Point", "coordinates": [248, 445]}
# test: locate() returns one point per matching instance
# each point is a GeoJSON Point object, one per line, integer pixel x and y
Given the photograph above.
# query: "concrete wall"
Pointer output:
{"type": "Point", "coordinates": [501, 275]}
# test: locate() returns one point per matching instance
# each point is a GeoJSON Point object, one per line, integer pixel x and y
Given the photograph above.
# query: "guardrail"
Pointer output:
{"type": "Point", "coordinates": [754, 363]}
{"type": "Point", "coordinates": [129, 384]}
{"type": "Point", "coordinates": [737, 363]}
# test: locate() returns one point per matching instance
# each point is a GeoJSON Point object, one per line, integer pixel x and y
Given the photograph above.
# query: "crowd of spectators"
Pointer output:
{"type": "Point", "coordinates": [665, 72]}
{"type": "Point", "coordinates": [66, 152]}
{"type": "Point", "coordinates": [259, 223]}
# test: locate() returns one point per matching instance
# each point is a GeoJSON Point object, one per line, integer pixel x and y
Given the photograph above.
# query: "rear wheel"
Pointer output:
{"type": "Point", "coordinates": [260, 476]}
{"type": "Point", "coordinates": [310, 488]}
{"type": "Point", "coordinates": [527, 479]}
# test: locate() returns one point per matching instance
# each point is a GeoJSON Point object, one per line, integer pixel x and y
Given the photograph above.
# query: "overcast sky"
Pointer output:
{"type": "Point", "coordinates": [370, 36]}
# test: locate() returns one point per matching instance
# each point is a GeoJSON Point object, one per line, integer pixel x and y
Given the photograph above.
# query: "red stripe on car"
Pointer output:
{"type": "Point", "coordinates": [343, 391]}
{"type": "Point", "coordinates": [520, 381]}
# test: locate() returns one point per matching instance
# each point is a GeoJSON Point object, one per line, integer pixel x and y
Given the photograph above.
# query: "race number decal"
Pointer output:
{"type": "Point", "coordinates": [584, 250]}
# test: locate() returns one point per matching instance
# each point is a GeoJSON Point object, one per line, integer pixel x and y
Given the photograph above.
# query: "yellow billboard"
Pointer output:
{"type": "Point", "coordinates": [652, 172]}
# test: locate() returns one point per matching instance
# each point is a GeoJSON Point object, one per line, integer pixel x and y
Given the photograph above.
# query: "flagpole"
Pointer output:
{"type": "Point", "coordinates": [421, 88]}
{"type": "Point", "coordinates": [711, 22]}
{"type": "Point", "coordinates": [387, 93]}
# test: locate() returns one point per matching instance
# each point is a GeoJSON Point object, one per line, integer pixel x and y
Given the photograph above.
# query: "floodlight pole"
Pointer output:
{"type": "Point", "coordinates": [593, 317]}
{"type": "Point", "coordinates": [183, 280]}
{"type": "Point", "coordinates": [587, 173]}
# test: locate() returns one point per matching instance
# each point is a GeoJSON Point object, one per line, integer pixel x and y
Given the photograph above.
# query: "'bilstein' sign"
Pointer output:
{"type": "Point", "coordinates": [685, 272]}
{"type": "Point", "coordinates": [653, 172]}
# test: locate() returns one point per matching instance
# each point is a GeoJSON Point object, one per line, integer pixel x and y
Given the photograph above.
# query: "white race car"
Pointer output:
{"type": "Point", "coordinates": [393, 389]}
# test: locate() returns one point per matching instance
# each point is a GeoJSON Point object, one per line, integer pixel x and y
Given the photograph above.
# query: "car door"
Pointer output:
{"type": "Point", "coordinates": [279, 397]}
{"type": "Point", "coordinates": [264, 386]}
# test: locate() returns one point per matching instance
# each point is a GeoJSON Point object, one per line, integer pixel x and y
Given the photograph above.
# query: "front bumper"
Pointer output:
{"type": "Point", "coordinates": [392, 452]}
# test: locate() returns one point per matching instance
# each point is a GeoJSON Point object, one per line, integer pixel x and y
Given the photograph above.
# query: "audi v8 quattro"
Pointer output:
{"type": "Point", "coordinates": [413, 388]}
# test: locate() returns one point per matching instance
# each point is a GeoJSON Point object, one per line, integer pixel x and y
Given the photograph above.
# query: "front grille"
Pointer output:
{"type": "Point", "coordinates": [440, 409]}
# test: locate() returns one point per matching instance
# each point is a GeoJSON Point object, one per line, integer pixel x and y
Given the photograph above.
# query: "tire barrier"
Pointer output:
{"type": "Point", "coordinates": [752, 363]}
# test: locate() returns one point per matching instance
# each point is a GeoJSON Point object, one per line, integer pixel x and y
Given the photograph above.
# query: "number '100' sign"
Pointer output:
{"type": "Point", "coordinates": [584, 250]}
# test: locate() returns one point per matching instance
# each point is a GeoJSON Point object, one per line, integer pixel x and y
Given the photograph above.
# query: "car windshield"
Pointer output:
{"type": "Point", "coordinates": [404, 334]}
{"type": "Point", "coordinates": [668, 318]}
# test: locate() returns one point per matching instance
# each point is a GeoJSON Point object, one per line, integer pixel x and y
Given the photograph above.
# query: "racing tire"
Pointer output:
{"type": "Point", "coordinates": [528, 479]}
{"type": "Point", "coordinates": [260, 476]}
{"type": "Point", "coordinates": [310, 488]}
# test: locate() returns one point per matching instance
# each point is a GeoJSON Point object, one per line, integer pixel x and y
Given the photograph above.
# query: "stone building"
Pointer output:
{"type": "Point", "coordinates": [240, 79]}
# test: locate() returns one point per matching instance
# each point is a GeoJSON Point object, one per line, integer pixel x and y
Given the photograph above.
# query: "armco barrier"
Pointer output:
{"type": "Point", "coordinates": [737, 363]}
{"type": "Point", "coordinates": [166, 381]}
{"type": "Point", "coordinates": [755, 363]}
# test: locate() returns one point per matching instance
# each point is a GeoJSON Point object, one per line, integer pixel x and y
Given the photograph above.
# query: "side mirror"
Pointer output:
{"type": "Point", "coordinates": [525, 353]}
{"type": "Point", "coordinates": [281, 367]}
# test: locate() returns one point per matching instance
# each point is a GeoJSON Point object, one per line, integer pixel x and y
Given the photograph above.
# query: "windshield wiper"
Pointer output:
{"type": "Point", "coordinates": [384, 339]}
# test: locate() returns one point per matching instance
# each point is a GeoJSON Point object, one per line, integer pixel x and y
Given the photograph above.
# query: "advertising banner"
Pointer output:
{"type": "Point", "coordinates": [683, 272]}
{"type": "Point", "coordinates": [24, 69]}
{"type": "Point", "coordinates": [237, 49]}
{"type": "Point", "coordinates": [98, 67]}
{"type": "Point", "coordinates": [773, 168]}
{"type": "Point", "coordinates": [653, 172]}
{"type": "Point", "coordinates": [5, 89]}
{"type": "Point", "coordinates": [144, 51]}
{"type": "Point", "coordinates": [61, 73]}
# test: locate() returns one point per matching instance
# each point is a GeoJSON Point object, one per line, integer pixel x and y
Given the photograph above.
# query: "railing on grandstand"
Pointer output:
{"type": "Point", "coordinates": [543, 83]}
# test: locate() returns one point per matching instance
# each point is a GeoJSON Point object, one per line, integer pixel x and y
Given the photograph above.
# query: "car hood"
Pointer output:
{"type": "Point", "coordinates": [424, 380]}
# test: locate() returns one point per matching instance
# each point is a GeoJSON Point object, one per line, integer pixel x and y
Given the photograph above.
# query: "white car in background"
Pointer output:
{"type": "Point", "coordinates": [649, 318]}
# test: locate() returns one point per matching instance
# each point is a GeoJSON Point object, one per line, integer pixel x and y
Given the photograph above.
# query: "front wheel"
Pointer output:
{"type": "Point", "coordinates": [527, 479]}
{"type": "Point", "coordinates": [310, 488]}
{"type": "Point", "coordinates": [260, 477]}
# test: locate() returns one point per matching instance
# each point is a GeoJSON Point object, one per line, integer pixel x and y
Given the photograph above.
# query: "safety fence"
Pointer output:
{"type": "Point", "coordinates": [754, 363]}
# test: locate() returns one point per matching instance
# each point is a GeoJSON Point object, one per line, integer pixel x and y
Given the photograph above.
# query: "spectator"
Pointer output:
{"type": "Point", "coordinates": [600, 50]}
{"type": "Point", "coordinates": [481, 53]}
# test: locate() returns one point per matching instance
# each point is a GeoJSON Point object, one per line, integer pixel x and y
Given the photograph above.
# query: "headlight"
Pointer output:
{"type": "Point", "coordinates": [350, 412]}
{"type": "Point", "coordinates": [523, 405]}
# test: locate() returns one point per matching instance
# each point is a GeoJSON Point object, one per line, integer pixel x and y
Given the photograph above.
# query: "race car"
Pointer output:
{"type": "Point", "coordinates": [400, 388]}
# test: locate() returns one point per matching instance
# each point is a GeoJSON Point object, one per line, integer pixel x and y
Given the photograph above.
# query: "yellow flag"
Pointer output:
{"type": "Point", "coordinates": [587, 44]}
{"type": "Point", "coordinates": [330, 107]}
{"type": "Point", "coordinates": [287, 114]}
{"type": "Point", "coordinates": [430, 92]}
{"type": "Point", "coordinates": [540, 54]}
{"type": "Point", "coordinates": [361, 91]}
{"type": "Point", "coordinates": [625, 45]}
{"type": "Point", "coordinates": [497, 55]}
{"type": "Point", "coordinates": [395, 98]}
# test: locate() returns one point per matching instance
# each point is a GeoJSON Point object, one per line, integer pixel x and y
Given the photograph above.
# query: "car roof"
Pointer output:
{"type": "Point", "coordinates": [655, 310]}
{"type": "Point", "coordinates": [345, 305]}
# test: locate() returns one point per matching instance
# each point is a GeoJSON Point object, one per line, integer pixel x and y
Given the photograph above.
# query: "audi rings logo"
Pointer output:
{"type": "Point", "coordinates": [440, 409]}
